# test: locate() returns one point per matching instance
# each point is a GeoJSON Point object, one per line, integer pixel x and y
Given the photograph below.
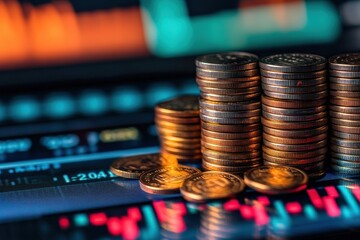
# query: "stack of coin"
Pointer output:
{"type": "Point", "coordinates": [294, 114]}
{"type": "Point", "coordinates": [344, 71]}
{"type": "Point", "coordinates": [178, 126]}
{"type": "Point", "coordinates": [229, 111]}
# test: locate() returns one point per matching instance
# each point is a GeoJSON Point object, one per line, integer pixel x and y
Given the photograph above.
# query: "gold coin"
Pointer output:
{"type": "Point", "coordinates": [177, 126]}
{"type": "Point", "coordinates": [189, 141]}
{"type": "Point", "coordinates": [133, 167]}
{"type": "Point", "coordinates": [294, 155]}
{"type": "Point", "coordinates": [183, 106]}
{"type": "Point", "coordinates": [234, 163]}
{"type": "Point", "coordinates": [289, 161]}
{"type": "Point", "coordinates": [273, 102]}
{"type": "Point", "coordinates": [230, 156]}
{"type": "Point", "coordinates": [179, 134]}
{"type": "Point", "coordinates": [232, 142]}
{"type": "Point", "coordinates": [276, 179]}
{"type": "Point", "coordinates": [231, 128]}
{"type": "Point", "coordinates": [165, 180]}
{"type": "Point", "coordinates": [293, 125]}
{"type": "Point", "coordinates": [211, 185]}
{"type": "Point", "coordinates": [217, 167]}
{"type": "Point", "coordinates": [299, 140]}
{"type": "Point", "coordinates": [232, 149]}
{"type": "Point", "coordinates": [181, 151]}
{"type": "Point", "coordinates": [181, 158]}
{"type": "Point", "coordinates": [179, 120]}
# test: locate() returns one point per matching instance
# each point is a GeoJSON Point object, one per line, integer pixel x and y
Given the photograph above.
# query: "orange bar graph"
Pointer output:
{"type": "Point", "coordinates": [54, 33]}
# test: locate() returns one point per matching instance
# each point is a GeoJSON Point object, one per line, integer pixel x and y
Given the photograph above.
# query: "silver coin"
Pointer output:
{"type": "Point", "coordinates": [227, 61]}
{"type": "Point", "coordinates": [249, 120]}
{"type": "Point", "coordinates": [286, 96]}
{"type": "Point", "coordinates": [229, 106]}
{"type": "Point", "coordinates": [230, 98]}
{"type": "Point", "coordinates": [345, 143]}
{"type": "Point", "coordinates": [294, 90]}
{"type": "Point", "coordinates": [200, 72]}
{"type": "Point", "coordinates": [293, 111]}
{"type": "Point", "coordinates": [289, 76]}
{"type": "Point", "coordinates": [293, 83]}
{"type": "Point", "coordinates": [344, 74]}
{"type": "Point", "coordinates": [348, 136]}
{"type": "Point", "coordinates": [340, 80]}
{"type": "Point", "coordinates": [223, 114]}
{"type": "Point", "coordinates": [345, 62]}
{"type": "Point", "coordinates": [293, 62]}
{"type": "Point", "coordinates": [288, 118]}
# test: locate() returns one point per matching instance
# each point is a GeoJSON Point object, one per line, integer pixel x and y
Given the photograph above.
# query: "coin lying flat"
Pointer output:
{"type": "Point", "coordinates": [183, 106]}
{"type": "Point", "coordinates": [227, 61]}
{"type": "Point", "coordinates": [165, 180]}
{"type": "Point", "coordinates": [276, 179]}
{"type": "Point", "coordinates": [293, 62]}
{"type": "Point", "coordinates": [211, 185]}
{"type": "Point", "coordinates": [133, 167]}
{"type": "Point", "coordinates": [345, 62]}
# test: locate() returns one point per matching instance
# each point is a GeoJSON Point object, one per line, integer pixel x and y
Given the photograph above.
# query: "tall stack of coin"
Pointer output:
{"type": "Point", "coordinates": [294, 112]}
{"type": "Point", "coordinates": [229, 111]}
{"type": "Point", "coordinates": [345, 112]}
{"type": "Point", "coordinates": [178, 125]}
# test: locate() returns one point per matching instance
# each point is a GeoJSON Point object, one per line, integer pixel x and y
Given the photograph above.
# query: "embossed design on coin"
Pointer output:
{"type": "Point", "coordinates": [211, 185]}
{"type": "Point", "coordinates": [133, 167]}
{"type": "Point", "coordinates": [293, 62]}
{"type": "Point", "coordinates": [165, 180]}
{"type": "Point", "coordinates": [345, 62]}
{"type": "Point", "coordinates": [187, 105]}
{"type": "Point", "coordinates": [227, 61]}
{"type": "Point", "coordinates": [276, 179]}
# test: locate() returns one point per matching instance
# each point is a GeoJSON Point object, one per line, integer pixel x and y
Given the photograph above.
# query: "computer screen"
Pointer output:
{"type": "Point", "coordinates": [79, 82]}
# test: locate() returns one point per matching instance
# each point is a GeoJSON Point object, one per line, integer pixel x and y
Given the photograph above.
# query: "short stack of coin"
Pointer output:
{"type": "Point", "coordinates": [178, 125]}
{"type": "Point", "coordinates": [229, 111]}
{"type": "Point", "coordinates": [345, 112]}
{"type": "Point", "coordinates": [294, 114]}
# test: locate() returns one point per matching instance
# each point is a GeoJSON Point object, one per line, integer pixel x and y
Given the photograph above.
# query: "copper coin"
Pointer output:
{"type": "Point", "coordinates": [180, 134]}
{"type": "Point", "coordinates": [181, 120]}
{"type": "Point", "coordinates": [226, 121]}
{"type": "Point", "coordinates": [230, 156]}
{"type": "Point", "coordinates": [182, 106]}
{"type": "Point", "coordinates": [180, 146]}
{"type": "Point", "coordinates": [228, 114]}
{"type": "Point", "coordinates": [292, 111]}
{"type": "Point", "coordinates": [305, 167]}
{"type": "Point", "coordinates": [345, 62]}
{"type": "Point", "coordinates": [299, 140]}
{"type": "Point", "coordinates": [303, 96]}
{"type": "Point", "coordinates": [229, 106]}
{"type": "Point", "coordinates": [236, 142]}
{"type": "Point", "coordinates": [232, 149]}
{"type": "Point", "coordinates": [226, 162]}
{"type": "Point", "coordinates": [298, 118]}
{"type": "Point", "coordinates": [295, 147]}
{"type": "Point", "coordinates": [273, 102]}
{"type": "Point", "coordinates": [231, 91]}
{"type": "Point", "coordinates": [217, 167]}
{"type": "Point", "coordinates": [184, 152]}
{"type": "Point", "coordinates": [231, 128]}
{"type": "Point", "coordinates": [350, 81]}
{"type": "Point", "coordinates": [345, 116]}
{"type": "Point", "coordinates": [229, 84]}
{"type": "Point", "coordinates": [288, 76]}
{"type": "Point", "coordinates": [345, 87]}
{"type": "Point", "coordinates": [344, 163]}
{"type": "Point", "coordinates": [295, 133]}
{"type": "Point", "coordinates": [346, 129]}
{"type": "Point", "coordinates": [294, 90]}
{"type": "Point", "coordinates": [343, 135]}
{"type": "Point", "coordinates": [228, 61]}
{"type": "Point", "coordinates": [293, 62]}
{"type": "Point", "coordinates": [347, 102]}
{"type": "Point", "coordinates": [288, 161]}
{"type": "Point", "coordinates": [165, 180]}
{"type": "Point", "coordinates": [134, 166]}
{"type": "Point", "coordinates": [177, 127]}
{"type": "Point", "coordinates": [345, 150]}
{"type": "Point", "coordinates": [276, 179]}
{"type": "Point", "coordinates": [343, 109]}
{"type": "Point", "coordinates": [211, 185]}
{"type": "Point", "coordinates": [180, 157]}
{"type": "Point", "coordinates": [293, 83]}
{"type": "Point", "coordinates": [201, 72]}
{"type": "Point", "coordinates": [344, 74]}
{"type": "Point", "coordinates": [345, 143]}
{"type": "Point", "coordinates": [230, 98]}
{"type": "Point", "coordinates": [180, 139]}
{"type": "Point", "coordinates": [294, 155]}
{"type": "Point", "coordinates": [229, 136]}
{"type": "Point", "coordinates": [293, 125]}
{"type": "Point", "coordinates": [346, 157]}
{"type": "Point", "coordinates": [345, 122]}
{"type": "Point", "coordinates": [345, 94]}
